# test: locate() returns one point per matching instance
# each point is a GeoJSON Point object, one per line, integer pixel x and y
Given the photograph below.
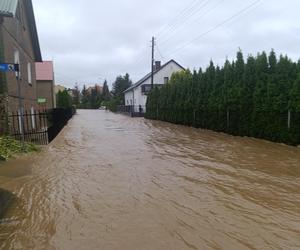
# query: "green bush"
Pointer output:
{"type": "Point", "coordinates": [10, 147]}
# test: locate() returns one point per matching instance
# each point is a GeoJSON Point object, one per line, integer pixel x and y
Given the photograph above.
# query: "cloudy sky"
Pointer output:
{"type": "Point", "coordinates": [92, 40]}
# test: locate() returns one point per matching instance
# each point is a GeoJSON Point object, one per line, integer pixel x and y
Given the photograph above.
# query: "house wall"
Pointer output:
{"type": "Point", "coordinates": [141, 99]}
{"type": "Point", "coordinates": [16, 37]}
{"type": "Point", "coordinates": [45, 89]}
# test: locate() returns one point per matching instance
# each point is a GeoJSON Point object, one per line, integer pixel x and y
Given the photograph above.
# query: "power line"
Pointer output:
{"type": "Point", "coordinates": [159, 52]}
{"type": "Point", "coordinates": [182, 13]}
{"type": "Point", "coordinates": [187, 17]}
{"type": "Point", "coordinates": [200, 17]}
{"type": "Point", "coordinates": [216, 26]}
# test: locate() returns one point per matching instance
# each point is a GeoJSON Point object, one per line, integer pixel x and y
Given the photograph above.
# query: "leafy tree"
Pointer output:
{"type": "Point", "coordinates": [119, 86]}
{"type": "Point", "coordinates": [64, 100]}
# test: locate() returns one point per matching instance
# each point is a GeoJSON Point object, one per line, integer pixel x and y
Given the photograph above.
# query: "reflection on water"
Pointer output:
{"type": "Point", "coordinates": [112, 182]}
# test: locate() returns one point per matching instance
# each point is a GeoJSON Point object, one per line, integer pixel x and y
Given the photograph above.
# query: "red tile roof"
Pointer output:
{"type": "Point", "coordinates": [44, 71]}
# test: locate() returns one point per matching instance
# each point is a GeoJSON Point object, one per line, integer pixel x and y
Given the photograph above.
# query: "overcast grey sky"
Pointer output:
{"type": "Point", "coordinates": [91, 40]}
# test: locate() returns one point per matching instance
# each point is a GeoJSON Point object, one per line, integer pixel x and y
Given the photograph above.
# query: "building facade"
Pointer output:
{"type": "Point", "coordinates": [19, 44]}
{"type": "Point", "coordinates": [136, 95]}
{"type": "Point", "coordinates": [45, 85]}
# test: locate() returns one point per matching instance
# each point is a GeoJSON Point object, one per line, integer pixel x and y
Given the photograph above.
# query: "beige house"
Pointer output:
{"type": "Point", "coordinates": [45, 84]}
{"type": "Point", "coordinates": [59, 88]}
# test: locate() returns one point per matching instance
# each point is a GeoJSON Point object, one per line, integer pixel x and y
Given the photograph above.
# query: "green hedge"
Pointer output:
{"type": "Point", "coordinates": [256, 98]}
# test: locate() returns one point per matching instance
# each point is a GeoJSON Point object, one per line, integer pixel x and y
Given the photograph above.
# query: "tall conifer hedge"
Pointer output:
{"type": "Point", "coordinates": [257, 97]}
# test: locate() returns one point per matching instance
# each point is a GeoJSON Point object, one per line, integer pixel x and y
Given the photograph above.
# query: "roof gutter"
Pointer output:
{"type": "Point", "coordinates": [33, 30]}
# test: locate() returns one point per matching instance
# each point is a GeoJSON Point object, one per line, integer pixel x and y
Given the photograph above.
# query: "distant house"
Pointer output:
{"type": "Point", "coordinates": [19, 44]}
{"type": "Point", "coordinates": [58, 88]}
{"type": "Point", "coordinates": [97, 87]}
{"type": "Point", "coordinates": [45, 84]}
{"type": "Point", "coordinates": [136, 95]}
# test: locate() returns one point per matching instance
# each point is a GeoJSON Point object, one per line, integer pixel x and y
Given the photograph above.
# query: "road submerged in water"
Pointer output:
{"type": "Point", "coordinates": [112, 182]}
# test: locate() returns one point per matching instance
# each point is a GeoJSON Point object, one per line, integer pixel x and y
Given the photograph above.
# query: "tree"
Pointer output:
{"type": "Point", "coordinates": [120, 85]}
{"type": "Point", "coordinates": [85, 98]}
{"type": "Point", "coordinates": [64, 100]}
{"type": "Point", "coordinates": [247, 92]}
{"type": "Point", "coordinates": [76, 93]}
{"type": "Point", "coordinates": [105, 92]}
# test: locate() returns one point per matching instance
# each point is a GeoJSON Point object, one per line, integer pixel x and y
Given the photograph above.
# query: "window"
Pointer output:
{"type": "Point", "coordinates": [29, 73]}
{"type": "Point", "coordinates": [17, 61]}
{"type": "Point", "coordinates": [166, 80]}
{"type": "Point", "coordinates": [146, 88]}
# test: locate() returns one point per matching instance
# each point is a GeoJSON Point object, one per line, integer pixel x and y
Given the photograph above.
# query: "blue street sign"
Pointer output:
{"type": "Point", "coordinates": [8, 67]}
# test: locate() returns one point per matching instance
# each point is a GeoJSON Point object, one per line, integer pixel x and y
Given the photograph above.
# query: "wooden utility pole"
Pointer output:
{"type": "Point", "coordinates": [152, 63]}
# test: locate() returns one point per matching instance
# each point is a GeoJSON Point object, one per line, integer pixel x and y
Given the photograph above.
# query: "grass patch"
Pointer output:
{"type": "Point", "coordinates": [10, 148]}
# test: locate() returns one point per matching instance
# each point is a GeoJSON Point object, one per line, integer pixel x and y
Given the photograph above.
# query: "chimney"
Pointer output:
{"type": "Point", "coordinates": [157, 65]}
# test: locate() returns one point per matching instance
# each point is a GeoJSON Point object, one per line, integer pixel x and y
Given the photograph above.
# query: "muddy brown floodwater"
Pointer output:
{"type": "Point", "coordinates": [112, 182]}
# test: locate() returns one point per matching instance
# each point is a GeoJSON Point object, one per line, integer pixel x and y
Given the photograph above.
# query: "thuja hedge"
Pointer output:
{"type": "Point", "coordinates": [259, 97]}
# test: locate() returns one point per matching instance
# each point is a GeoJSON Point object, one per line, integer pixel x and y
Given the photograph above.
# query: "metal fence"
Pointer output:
{"type": "Point", "coordinates": [38, 126]}
{"type": "Point", "coordinates": [31, 126]}
{"type": "Point", "coordinates": [133, 110]}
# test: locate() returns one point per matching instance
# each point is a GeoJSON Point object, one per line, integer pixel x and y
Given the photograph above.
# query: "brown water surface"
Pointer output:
{"type": "Point", "coordinates": [112, 182]}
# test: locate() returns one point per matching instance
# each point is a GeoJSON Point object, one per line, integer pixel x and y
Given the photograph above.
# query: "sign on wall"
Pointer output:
{"type": "Point", "coordinates": [42, 100]}
{"type": "Point", "coordinates": [9, 67]}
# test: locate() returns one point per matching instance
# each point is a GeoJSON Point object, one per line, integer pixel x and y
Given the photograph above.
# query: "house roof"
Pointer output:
{"type": "Point", "coordinates": [146, 77]}
{"type": "Point", "coordinates": [33, 30]}
{"type": "Point", "coordinates": [44, 71]}
{"type": "Point", "coordinates": [8, 8]}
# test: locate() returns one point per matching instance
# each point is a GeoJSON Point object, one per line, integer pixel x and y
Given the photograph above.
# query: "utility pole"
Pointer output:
{"type": "Point", "coordinates": [152, 62]}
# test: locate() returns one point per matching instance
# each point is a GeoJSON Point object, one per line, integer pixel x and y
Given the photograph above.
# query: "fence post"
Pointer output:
{"type": "Point", "coordinates": [289, 119]}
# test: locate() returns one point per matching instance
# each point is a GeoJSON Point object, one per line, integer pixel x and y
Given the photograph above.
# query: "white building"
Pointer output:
{"type": "Point", "coordinates": [137, 94]}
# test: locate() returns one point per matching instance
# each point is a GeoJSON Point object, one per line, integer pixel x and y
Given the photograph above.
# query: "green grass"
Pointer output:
{"type": "Point", "coordinates": [10, 148]}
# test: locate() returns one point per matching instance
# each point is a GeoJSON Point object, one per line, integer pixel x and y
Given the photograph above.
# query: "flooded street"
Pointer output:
{"type": "Point", "coordinates": [112, 182]}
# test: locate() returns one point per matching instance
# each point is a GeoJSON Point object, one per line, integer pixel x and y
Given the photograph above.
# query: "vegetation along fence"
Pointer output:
{"type": "Point", "coordinates": [38, 126]}
{"type": "Point", "coordinates": [258, 98]}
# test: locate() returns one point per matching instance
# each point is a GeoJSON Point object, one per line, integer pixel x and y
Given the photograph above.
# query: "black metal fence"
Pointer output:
{"type": "Point", "coordinates": [133, 111]}
{"type": "Point", "coordinates": [57, 119]}
{"type": "Point", "coordinates": [32, 126]}
{"type": "Point", "coordinates": [39, 126]}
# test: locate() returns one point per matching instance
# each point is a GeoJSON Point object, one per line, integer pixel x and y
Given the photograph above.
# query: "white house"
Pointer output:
{"type": "Point", "coordinates": [137, 94]}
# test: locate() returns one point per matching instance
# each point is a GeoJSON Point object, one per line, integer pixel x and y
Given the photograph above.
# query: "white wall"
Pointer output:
{"type": "Point", "coordinates": [139, 98]}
